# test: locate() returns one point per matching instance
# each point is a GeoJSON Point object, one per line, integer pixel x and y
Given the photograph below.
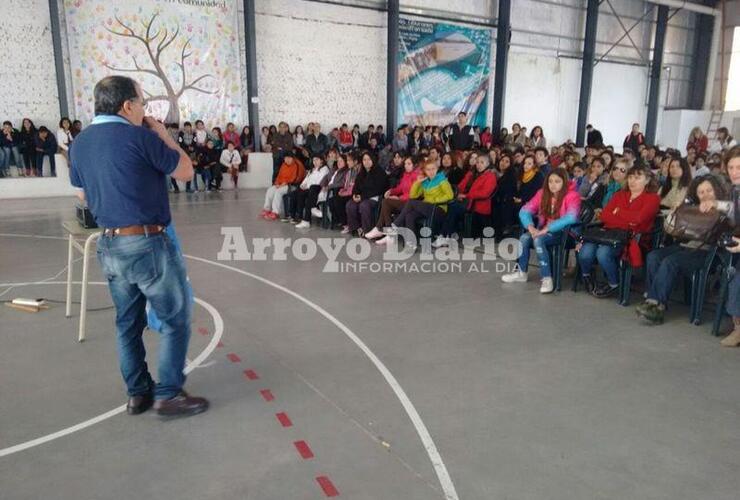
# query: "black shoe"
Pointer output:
{"type": "Point", "coordinates": [588, 283]}
{"type": "Point", "coordinates": [139, 404]}
{"type": "Point", "coordinates": [605, 290]}
{"type": "Point", "coordinates": [181, 405]}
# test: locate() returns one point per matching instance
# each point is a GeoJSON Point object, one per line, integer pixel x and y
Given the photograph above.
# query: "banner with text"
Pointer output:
{"type": "Point", "coordinates": [184, 53]}
{"type": "Point", "coordinates": [443, 69]}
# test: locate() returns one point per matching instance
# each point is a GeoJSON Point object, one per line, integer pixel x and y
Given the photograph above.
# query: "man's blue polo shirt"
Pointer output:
{"type": "Point", "coordinates": [124, 172]}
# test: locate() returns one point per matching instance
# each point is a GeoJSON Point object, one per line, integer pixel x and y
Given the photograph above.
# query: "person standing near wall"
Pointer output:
{"type": "Point", "coordinates": [461, 134]}
{"type": "Point", "coordinates": [122, 169]}
{"type": "Point", "coordinates": [634, 140]}
{"type": "Point", "coordinates": [593, 136]}
{"type": "Point", "coordinates": [282, 143]}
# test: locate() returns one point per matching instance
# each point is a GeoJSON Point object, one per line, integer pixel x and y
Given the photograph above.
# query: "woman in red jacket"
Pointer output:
{"type": "Point", "coordinates": [474, 194]}
{"type": "Point", "coordinates": [698, 139]}
{"type": "Point", "coordinates": [394, 199]}
{"type": "Point", "coordinates": [633, 208]}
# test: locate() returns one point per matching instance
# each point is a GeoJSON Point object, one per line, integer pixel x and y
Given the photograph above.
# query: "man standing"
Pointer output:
{"type": "Point", "coordinates": [282, 143]}
{"type": "Point", "coordinates": [461, 134]}
{"type": "Point", "coordinates": [593, 136]}
{"type": "Point", "coordinates": [634, 140]}
{"type": "Point", "coordinates": [122, 168]}
{"type": "Point", "coordinates": [317, 143]}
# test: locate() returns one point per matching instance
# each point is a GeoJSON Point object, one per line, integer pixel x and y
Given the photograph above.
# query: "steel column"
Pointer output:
{"type": "Point", "coordinates": [503, 41]}
{"type": "Point", "coordinates": [587, 69]}
{"type": "Point", "coordinates": [250, 40]}
{"type": "Point", "coordinates": [655, 70]}
{"type": "Point", "coordinates": [392, 84]}
{"type": "Point", "coordinates": [56, 40]}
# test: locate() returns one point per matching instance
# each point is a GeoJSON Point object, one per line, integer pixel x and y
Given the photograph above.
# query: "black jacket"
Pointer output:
{"type": "Point", "coordinates": [593, 138]}
{"type": "Point", "coordinates": [370, 184]}
{"type": "Point", "coordinates": [28, 140]}
{"type": "Point", "coordinates": [461, 139]}
{"type": "Point", "coordinates": [317, 145]}
{"type": "Point", "coordinates": [49, 146]}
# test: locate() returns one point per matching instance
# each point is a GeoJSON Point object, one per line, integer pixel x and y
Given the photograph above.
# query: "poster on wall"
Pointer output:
{"type": "Point", "coordinates": [184, 53]}
{"type": "Point", "coordinates": [443, 69]}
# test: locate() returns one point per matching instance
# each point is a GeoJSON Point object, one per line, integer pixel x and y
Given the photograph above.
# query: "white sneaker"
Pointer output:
{"type": "Point", "coordinates": [304, 224]}
{"type": "Point", "coordinates": [316, 213]}
{"type": "Point", "coordinates": [441, 241]}
{"type": "Point", "coordinates": [392, 230]}
{"type": "Point", "coordinates": [374, 233]}
{"type": "Point", "coordinates": [385, 240]}
{"type": "Point", "coordinates": [516, 277]}
{"type": "Point", "coordinates": [547, 286]}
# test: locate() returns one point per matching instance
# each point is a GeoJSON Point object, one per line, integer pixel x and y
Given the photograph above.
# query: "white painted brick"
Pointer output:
{"type": "Point", "coordinates": [27, 75]}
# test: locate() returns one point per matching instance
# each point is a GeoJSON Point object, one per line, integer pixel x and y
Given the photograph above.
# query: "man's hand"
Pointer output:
{"type": "Point", "coordinates": [156, 126]}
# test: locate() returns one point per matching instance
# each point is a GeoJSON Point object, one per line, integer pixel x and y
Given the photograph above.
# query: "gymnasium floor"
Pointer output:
{"type": "Point", "coordinates": [513, 395]}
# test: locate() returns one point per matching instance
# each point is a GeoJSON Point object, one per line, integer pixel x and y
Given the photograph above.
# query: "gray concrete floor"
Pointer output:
{"type": "Point", "coordinates": [526, 396]}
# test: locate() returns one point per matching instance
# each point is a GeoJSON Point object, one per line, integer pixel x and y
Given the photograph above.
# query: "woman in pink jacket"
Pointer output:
{"type": "Point", "coordinates": [395, 198]}
{"type": "Point", "coordinates": [556, 207]}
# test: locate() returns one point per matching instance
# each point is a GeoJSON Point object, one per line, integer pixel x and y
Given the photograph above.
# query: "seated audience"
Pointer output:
{"type": "Point", "coordinates": [668, 264]}
{"type": "Point", "coordinates": [436, 191]}
{"type": "Point", "coordinates": [633, 209]}
{"type": "Point", "coordinates": [556, 207]}
{"type": "Point", "coordinates": [291, 173]}
{"type": "Point", "coordinates": [306, 197]}
{"type": "Point", "coordinates": [473, 196]}
{"type": "Point", "coordinates": [394, 199]}
{"type": "Point", "coordinates": [231, 159]}
{"type": "Point", "coordinates": [371, 183]}
{"type": "Point", "coordinates": [673, 192]}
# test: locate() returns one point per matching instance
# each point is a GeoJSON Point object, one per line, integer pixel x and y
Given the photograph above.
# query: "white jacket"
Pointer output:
{"type": "Point", "coordinates": [315, 177]}
{"type": "Point", "coordinates": [230, 158]}
{"type": "Point", "coordinates": [64, 139]}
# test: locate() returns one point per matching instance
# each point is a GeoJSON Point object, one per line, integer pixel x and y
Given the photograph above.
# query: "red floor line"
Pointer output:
{"type": "Point", "coordinates": [220, 344]}
{"type": "Point", "coordinates": [284, 419]}
{"type": "Point", "coordinates": [303, 449]}
{"type": "Point", "coordinates": [202, 331]}
{"type": "Point", "coordinates": [251, 374]}
{"type": "Point", "coordinates": [233, 358]}
{"type": "Point", "coordinates": [327, 486]}
{"type": "Point", "coordinates": [267, 395]}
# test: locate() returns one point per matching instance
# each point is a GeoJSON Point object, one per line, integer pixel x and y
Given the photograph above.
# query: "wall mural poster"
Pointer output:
{"type": "Point", "coordinates": [443, 69]}
{"type": "Point", "coordinates": [184, 53]}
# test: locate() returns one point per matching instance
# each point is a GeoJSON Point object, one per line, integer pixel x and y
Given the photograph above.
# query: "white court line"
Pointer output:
{"type": "Point", "coordinates": [426, 439]}
{"type": "Point", "coordinates": [218, 324]}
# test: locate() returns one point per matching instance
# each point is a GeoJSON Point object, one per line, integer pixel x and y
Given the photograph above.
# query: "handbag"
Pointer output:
{"type": "Point", "coordinates": [603, 236]}
{"type": "Point", "coordinates": [688, 223]}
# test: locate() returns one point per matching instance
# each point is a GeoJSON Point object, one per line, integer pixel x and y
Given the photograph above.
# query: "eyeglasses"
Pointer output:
{"type": "Point", "coordinates": [621, 169]}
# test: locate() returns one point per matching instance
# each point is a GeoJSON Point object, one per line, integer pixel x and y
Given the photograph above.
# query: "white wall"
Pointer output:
{"type": "Point", "coordinates": [28, 85]}
{"type": "Point", "coordinates": [618, 98]}
{"type": "Point", "coordinates": [320, 62]}
{"type": "Point", "coordinates": [543, 90]}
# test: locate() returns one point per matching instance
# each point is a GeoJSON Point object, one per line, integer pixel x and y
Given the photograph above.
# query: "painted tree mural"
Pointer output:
{"type": "Point", "coordinates": [155, 45]}
{"type": "Point", "coordinates": [186, 57]}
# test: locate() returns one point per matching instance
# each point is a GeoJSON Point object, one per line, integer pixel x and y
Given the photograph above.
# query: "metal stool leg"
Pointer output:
{"type": "Point", "coordinates": [70, 270]}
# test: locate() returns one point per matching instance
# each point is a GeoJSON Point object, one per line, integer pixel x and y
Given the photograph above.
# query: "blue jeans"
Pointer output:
{"type": "Point", "coordinates": [733, 297]}
{"type": "Point", "coordinates": [540, 245]}
{"type": "Point", "coordinates": [7, 153]}
{"type": "Point", "coordinates": [40, 163]}
{"type": "Point", "coordinates": [141, 269]}
{"type": "Point", "coordinates": [665, 265]}
{"type": "Point", "coordinates": [455, 213]}
{"type": "Point", "coordinates": [607, 256]}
